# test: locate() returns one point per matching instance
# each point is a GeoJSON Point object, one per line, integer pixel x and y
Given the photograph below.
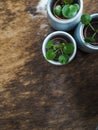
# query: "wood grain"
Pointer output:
{"type": "Point", "coordinates": [35, 95]}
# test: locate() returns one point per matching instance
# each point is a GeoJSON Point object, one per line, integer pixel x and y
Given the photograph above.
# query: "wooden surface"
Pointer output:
{"type": "Point", "coordinates": [35, 95]}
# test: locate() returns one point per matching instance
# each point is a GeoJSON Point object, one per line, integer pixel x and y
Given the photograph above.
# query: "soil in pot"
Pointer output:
{"type": "Point", "coordinates": [88, 32]}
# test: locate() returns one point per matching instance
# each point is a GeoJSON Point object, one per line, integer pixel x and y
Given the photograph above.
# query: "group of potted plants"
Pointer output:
{"type": "Point", "coordinates": [60, 47]}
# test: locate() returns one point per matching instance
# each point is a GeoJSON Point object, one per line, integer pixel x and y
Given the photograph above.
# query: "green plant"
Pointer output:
{"type": "Point", "coordinates": [86, 20]}
{"type": "Point", "coordinates": [67, 9]}
{"type": "Point", "coordinates": [60, 52]}
{"type": "Point", "coordinates": [68, 1]}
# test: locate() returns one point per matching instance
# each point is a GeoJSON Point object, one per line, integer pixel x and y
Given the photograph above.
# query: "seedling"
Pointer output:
{"type": "Point", "coordinates": [59, 52]}
{"type": "Point", "coordinates": [67, 9]}
{"type": "Point", "coordinates": [86, 20]}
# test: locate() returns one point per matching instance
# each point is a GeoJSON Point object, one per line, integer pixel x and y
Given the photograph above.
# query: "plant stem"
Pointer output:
{"type": "Point", "coordinates": [61, 51]}
{"type": "Point", "coordinates": [94, 35]}
{"type": "Point", "coordinates": [56, 50]}
{"type": "Point", "coordinates": [91, 27]}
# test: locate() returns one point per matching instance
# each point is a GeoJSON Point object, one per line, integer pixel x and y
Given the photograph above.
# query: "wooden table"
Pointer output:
{"type": "Point", "coordinates": [35, 95]}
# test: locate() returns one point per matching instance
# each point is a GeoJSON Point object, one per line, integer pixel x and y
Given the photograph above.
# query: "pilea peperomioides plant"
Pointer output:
{"type": "Point", "coordinates": [66, 9]}
{"type": "Point", "coordinates": [59, 51]}
{"type": "Point", "coordinates": [86, 20]}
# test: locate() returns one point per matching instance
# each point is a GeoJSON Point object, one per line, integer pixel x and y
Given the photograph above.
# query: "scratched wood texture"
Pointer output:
{"type": "Point", "coordinates": [35, 95]}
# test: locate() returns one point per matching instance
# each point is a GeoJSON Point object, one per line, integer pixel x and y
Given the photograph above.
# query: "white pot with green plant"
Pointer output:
{"type": "Point", "coordinates": [59, 48]}
{"type": "Point", "coordinates": [86, 33]}
{"type": "Point", "coordinates": [64, 15]}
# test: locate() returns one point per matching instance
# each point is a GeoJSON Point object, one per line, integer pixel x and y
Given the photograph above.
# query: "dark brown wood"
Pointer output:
{"type": "Point", "coordinates": [35, 95]}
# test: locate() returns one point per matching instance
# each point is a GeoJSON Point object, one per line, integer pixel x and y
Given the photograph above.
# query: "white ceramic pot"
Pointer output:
{"type": "Point", "coordinates": [64, 35]}
{"type": "Point", "coordinates": [63, 24]}
{"type": "Point", "coordinates": [79, 37]}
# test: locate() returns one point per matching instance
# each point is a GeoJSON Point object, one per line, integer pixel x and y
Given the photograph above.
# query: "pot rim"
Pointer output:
{"type": "Point", "coordinates": [60, 33]}
{"type": "Point", "coordinates": [62, 20]}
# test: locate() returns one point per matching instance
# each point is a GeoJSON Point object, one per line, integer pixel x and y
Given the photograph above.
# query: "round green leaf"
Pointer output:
{"type": "Point", "coordinates": [70, 11]}
{"type": "Point", "coordinates": [63, 59]}
{"type": "Point", "coordinates": [68, 49]}
{"type": "Point", "coordinates": [50, 54]}
{"type": "Point", "coordinates": [65, 11]}
{"type": "Point", "coordinates": [76, 7]}
{"type": "Point", "coordinates": [50, 44]}
{"type": "Point", "coordinates": [58, 10]}
{"type": "Point", "coordinates": [85, 19]}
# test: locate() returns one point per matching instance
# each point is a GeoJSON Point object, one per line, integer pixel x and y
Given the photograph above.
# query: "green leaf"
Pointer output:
{"type": "Point", "coordinates": [68, 1]}
{"type": "Point", "coordinates": [50, 54]}
{"type": "Point", "coordinates": [73, 10]}
{"type": "Point", "coordinates": [68, 48]}
{"type": "Point", "coordinates": [85, 19]}
{"type": "Point", "coordinates": [50, 44]}
{"type": "Point", "coordinates": [58, 10]}
{"type": "Point", "coordinates": [75, 7]}
{"type": "Point", "coordinates": [63, 44]}
{"type": "Point", "coordinates": [63, 59]}
{"type": "Point", "coordinates": [89, 39]}
{"type": "Point", "coordinates": [65, 11]}
{"type": "Point", "coordinates": [70, 11]}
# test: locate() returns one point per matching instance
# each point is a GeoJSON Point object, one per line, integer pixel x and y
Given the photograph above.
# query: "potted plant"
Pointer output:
{"type": "Point", "coordinates": [63, 15]}
{"type": "Point", "coordinates": [86, 33]}
{"type": "Point", "coordinates": [59, 48]}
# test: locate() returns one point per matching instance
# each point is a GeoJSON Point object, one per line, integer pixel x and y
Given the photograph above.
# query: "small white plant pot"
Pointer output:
{"type": "Point", "coordinates": [79, 37]}
{"type": "Point", "coordinates": [63, 24]}
{"type": "Point", "coordinates": [59, 34]}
